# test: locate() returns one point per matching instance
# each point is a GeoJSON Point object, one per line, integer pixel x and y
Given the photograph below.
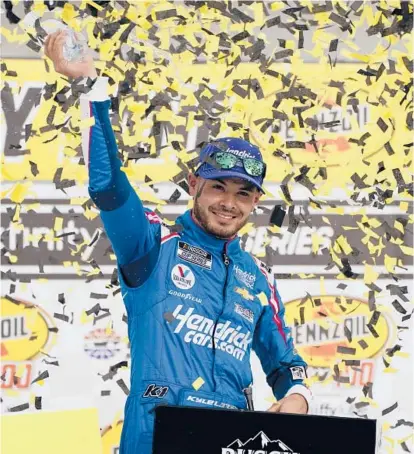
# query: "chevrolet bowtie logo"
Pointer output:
{"type": "Point", "coordinates": [244, 293]}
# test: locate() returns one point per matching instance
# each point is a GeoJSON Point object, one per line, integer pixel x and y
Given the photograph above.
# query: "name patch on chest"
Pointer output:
{"type": "Point", "coordinates": [194, 255]}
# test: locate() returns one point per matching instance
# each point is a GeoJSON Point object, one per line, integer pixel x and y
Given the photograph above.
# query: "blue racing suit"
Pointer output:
{"type": "Point", "coordinates": [197, 305]}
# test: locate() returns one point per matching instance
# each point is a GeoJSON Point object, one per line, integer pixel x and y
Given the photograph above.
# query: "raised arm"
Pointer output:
{"type": "Point", "coordinates": [121, 209]}
{"type": "Point", "coordinates": [132, 236]}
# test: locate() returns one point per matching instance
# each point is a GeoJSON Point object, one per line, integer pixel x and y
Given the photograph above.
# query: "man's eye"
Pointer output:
{"type": "Point", "coordinates": [244, 193]}
{"type": "Point", "coordinates": [217, 186]}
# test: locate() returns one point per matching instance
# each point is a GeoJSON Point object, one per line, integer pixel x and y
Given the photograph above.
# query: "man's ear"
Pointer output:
{"type": "Point", "coordinates": [192, 184]}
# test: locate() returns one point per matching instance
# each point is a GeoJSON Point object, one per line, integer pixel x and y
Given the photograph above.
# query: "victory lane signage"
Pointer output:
{"type": "Point", "coordinates": [39, 244]}
{"type": "Point", "coordinates": [187, 430]}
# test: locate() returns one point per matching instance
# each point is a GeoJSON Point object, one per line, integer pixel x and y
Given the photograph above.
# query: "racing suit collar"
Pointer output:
{"type": "Point", "coordinates": [202, 238]}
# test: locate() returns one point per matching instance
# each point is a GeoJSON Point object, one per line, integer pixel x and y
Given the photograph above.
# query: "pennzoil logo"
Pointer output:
{"type": "Point", "coordinates": [26, 332]}
{"type": "Point", "coordinates": [330, 327]}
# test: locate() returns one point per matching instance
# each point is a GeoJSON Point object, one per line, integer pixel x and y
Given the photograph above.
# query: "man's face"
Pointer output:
{"type": "Point", "coordinates": [222, 207]}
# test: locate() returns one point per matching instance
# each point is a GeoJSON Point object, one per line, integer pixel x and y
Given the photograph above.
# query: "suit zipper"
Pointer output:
{"type": "Point", "coordinates": [226, 261]}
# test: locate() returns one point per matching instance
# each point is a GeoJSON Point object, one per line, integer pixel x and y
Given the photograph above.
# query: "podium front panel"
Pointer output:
{"type": "Point", "coordinates": [183, 430]}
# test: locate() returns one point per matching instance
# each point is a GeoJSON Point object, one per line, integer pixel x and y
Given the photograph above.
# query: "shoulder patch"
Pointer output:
{"type": "Point", "coordinates": [263, 267]}
{"type": "Point", "coordinates": [167, 236]}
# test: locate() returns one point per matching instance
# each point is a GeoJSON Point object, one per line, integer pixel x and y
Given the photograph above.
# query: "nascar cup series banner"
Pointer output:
{"type": "Point", "coordinates": [333, 118]}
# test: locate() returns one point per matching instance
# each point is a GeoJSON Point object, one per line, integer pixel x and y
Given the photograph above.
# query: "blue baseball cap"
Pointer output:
{"type": "Point", "coordinates": [238, 147]}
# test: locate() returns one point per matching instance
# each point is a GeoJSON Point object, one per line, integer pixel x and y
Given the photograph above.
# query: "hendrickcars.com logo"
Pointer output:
{"type": "Point", "coordinates": [26, 331]}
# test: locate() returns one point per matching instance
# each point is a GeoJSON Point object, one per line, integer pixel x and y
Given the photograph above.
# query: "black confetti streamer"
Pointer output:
{"type": "Point", "coordinates": [389, 409]}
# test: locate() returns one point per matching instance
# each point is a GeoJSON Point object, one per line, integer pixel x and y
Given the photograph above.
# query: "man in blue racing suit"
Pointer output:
{"type": "Point", "coordinates": [197, 304]}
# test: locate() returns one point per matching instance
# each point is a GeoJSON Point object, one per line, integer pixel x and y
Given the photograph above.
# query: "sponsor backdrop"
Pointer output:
{"type": "Point", "coordinates": [337, 136]}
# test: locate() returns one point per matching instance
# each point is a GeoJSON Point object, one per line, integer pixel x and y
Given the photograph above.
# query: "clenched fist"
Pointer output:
{"type": "Point", "coordinates": [54, 50]}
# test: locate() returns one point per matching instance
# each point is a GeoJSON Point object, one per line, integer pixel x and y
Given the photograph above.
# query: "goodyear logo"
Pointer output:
{"type": "Point", "coordinates": [334, 327]}
{"type": "Point", "coordinates": [26, 331]}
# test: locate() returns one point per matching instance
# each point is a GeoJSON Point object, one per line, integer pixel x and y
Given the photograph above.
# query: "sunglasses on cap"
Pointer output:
{"type": "Point", "coordinates": [225, 160]}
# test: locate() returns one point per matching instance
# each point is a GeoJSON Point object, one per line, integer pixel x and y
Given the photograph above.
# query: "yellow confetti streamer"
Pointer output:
{"type": "Point", "coordinates": [198, 383]}
{"type": "Point", "coordinates": [370, 275]}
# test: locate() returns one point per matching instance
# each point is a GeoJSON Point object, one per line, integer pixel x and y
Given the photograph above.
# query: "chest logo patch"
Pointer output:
{"type": "Point", "coordinates": [246, 278]}
{"type": "Point", "coordinates": [244, 293]}
{"type": "Point", "coordinates": [244, 312]}
{"type": "Point", "coordinates": [194, 255]}
{"type": "Point", "coordinates": [182, 277]}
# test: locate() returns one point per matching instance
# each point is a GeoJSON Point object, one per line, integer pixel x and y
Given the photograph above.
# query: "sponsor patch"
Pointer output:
{"type": "Point", "coordinates": [298, 372]}
{"type": "Point", "coordinates": [155, 391]}
{"type": "Point", "coordinates": [209, 402]}
{"type": "Point", "coordinates": [240, 153]}
{"type": "Point", "coordinates": [244, 293]}
{"type": "Point", "coordinates": [199, 330]}
{"type": "Point", "coordinates": [245, 313]}
{"type": "Point", "coordinates": [185, 296]}
{"type": "Point", "coordinates": [182, 277]}
{"type": "Point", "coordinates": [194, 255]}
{"type": "Point", "coordinates": [246, 278]}
{"type": "Point", "coordinates": [263, 265]}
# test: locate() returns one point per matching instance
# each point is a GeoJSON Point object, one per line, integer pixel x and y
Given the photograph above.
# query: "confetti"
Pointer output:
{"type": "Point", "coordinates": [123, 386]}
{"type": "Point", "coordinates": [263, 299]}
{"type": "Point", "coordinates": [198, 383]}
{"type": "Point", "coordinates": [389, 409]}
{"type": "Point", "coordinates": [300, 121]}
{"type": "Point", "coordinates": [21, 407]}
{"type": "Point", "coordinates": [277, 216]}
{"type": "Point", "coordinates": [38, 402]}
{"type": "Point", "coordinates": [398, 307]}
{"type": "Point", "coordinates": [346, 350]}
{"type": "Point", "coordinates": [63, 317]}
{"type": "Point", "coordinates": [169, 317]}
{"type": "Point", "coordinates": [40, 377]}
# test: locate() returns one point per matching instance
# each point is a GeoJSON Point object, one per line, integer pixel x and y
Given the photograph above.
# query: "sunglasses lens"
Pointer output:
{"type": "Point", "coordinates": [254, 167]}
{"type": "Point", "coordinates": [226, 160]}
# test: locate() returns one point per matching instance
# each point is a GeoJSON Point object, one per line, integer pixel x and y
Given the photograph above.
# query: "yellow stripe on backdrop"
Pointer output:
{"type": "Point", "coordinates": [63, 432]}
{"type": "Point", "coordinates": [379, 118]}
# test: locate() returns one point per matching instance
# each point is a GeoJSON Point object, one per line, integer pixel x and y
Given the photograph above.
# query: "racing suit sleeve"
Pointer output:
{"type": "Point", "coordinates": [284, 368]}
{"type": "Point", "coordinates": [133, 237]}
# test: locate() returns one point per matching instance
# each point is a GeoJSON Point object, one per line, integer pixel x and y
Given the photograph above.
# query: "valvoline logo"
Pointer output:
{"type": "Point", "coordinates": [335, 328]}
{"type": "Point", "coordinates": [183, 277]}
{"type": "Point", "coordinates": [183, 272]}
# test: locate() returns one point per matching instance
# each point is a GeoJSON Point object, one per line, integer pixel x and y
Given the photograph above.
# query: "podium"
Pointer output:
{"type": "Point", "coordinates": [189, 430]}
